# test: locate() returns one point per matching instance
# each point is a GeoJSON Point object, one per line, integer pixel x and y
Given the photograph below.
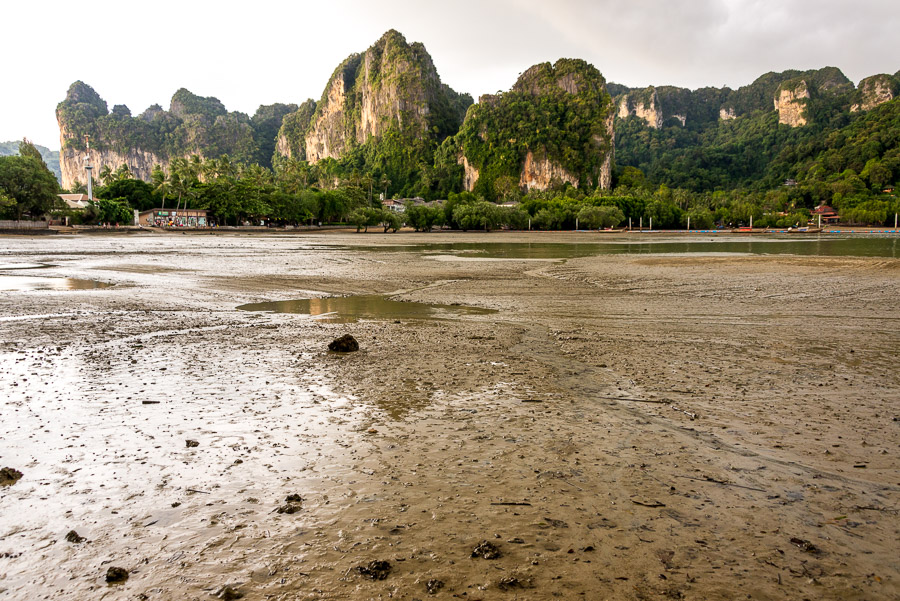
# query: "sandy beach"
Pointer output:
{"type": "Point", "coordinates": [618, 426]}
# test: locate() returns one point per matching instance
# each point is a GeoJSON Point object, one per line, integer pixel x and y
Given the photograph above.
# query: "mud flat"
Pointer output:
{"type": "Point", "coordinates": [619, 426]}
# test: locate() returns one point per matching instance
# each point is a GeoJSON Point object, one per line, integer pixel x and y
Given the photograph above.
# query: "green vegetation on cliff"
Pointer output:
{"type": "Point", "coordinates": [557, 112]}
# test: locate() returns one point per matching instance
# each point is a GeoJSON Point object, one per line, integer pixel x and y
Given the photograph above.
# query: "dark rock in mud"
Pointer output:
{"type": "Point", "coordinates": [74, 538]}
{"type": "Point", "coordinates": [376, 570]}
{"type": "Point", "coordinates": [294, 498]}
{"type": "Point", "coordinates": [486, 550]}
{"type": "Point", "coordinates": [190, 443]}
{"type": "Point", "coordinates": [114, 575]}
{"type": "Point", "coordinates": [9, 476]}
{"type": "Point", "coordinates": [344, 344]}
{"type": "Point", "coordinates": [230, 594]}
{"type": "Point", "coordinates": [289, 508]}
{"type": "Point", "coordinates": [805, 545]}
{"type": "Point", "coordinates": [433, 586]}
{"type": "Point", "coordinates": [510, 582]}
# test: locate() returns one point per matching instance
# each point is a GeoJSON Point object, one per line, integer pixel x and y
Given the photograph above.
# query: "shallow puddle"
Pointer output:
{"type": "Point", "coordinates": [22, 283]}
{"type": "Point", "coordinates": [348, 309]}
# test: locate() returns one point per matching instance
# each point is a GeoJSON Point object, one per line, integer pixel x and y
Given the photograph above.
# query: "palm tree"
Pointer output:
{"type": "Point", "coordinates": [160, 183]}
{"type": "Point", "coordinates": [105, 174]}
{"type": "Point", "coordinates": [385, 184]}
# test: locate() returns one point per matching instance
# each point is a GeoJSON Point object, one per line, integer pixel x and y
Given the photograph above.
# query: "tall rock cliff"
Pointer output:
{"type": "Point", "coordinates": [291, 140]}
{"type": "Point", "coordinates": [875, 90]}
{"type": "Point", "coordinates": [643, 104]}
{"type": "Point", "coordinates": [554, 126]}
{"type": "Point", "coordinates": [790, 101]}
{"type": "Point", "coordinates": [392, 89]}
{"type": "Point", "coordinates": [192, 125]}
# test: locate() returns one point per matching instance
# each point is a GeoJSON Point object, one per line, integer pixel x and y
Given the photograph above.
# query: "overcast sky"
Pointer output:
{"type": "Point", "coordinates": [265, 51]}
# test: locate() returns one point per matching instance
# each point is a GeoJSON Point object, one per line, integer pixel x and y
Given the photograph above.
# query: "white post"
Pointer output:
{"type": "Point", "coordinates": [751, 222]}
{"type": "Point", "coordinates": [895, 220]}
{"type": "Point", "coordinates": [820, 220]}
{"type": "Point", "coordinates": [629, 224]}
{"type": "Point", "coordinates": [576, 224]}
{"type": "Point", "coordinates": [641, 226]}
{"type": "Point", "coordinates": [651, 224]}
{"type": "Point", "coordinates": [529, 224]}
{"type": "Point", "coordinates": [689, 224]}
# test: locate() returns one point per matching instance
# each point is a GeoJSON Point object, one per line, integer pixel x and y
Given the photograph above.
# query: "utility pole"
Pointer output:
{"type": "Point", "coordinates": [88, 167]}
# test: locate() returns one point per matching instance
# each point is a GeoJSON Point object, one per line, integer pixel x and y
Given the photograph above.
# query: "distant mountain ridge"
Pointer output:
{"type": "Point", "coordinates": [385, 112]}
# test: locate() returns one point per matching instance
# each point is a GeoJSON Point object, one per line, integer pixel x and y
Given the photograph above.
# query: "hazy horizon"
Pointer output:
{"type": "Point", "coordinates": [281, 52]}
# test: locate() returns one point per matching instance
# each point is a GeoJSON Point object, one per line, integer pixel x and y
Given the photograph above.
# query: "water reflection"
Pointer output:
{"type": "Point", "coordinates": [349, 309]}
{"type": "Point", "coordinates": [869, 246]}
{"type": "Point", "coordinates": [23, 283]}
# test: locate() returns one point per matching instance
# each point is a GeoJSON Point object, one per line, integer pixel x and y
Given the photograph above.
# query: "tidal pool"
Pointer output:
{"type": "Point", "coordinates": [349, 309]}
{"type": "Point", "coordinates": [857, 246]}
{"type": "Point", "coordinates": [24, 283]}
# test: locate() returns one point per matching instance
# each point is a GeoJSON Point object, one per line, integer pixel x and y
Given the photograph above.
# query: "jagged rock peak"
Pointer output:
{"type": "Point", "coordinates": [394, 86]}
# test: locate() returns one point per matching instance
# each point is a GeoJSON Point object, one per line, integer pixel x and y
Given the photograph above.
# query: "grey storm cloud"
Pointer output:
{"type": "Point", "coordinates": [284, 50]}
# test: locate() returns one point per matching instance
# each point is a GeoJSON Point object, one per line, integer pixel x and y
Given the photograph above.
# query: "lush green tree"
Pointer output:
{"type": "Point", "coordinates": [27, 181]}
{"type": "Point", "coordinates": [603, 216]}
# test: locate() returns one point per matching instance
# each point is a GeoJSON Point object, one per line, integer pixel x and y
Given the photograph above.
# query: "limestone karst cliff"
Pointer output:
{"type": "Point", "coordinates": [790, 102]}
{"type": "Point", "coordinates": [391, 89]}
{"type": "Point", "coordinates": [643, 104]}
{"type": "Point", "coordinates": [874, 91]}
{"type": "Point", "coordinates": [192, 125]}
{"type": "Point", "coordinates": [529, 134]}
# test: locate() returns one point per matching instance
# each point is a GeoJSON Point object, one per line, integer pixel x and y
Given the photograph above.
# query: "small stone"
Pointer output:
{"type": "Point", "coordinates": [294, 498]}
{"type": "Point", "coordinates": [487, 550]}
{"type": "Point", "coordinates": [9, 476]}
{"type": "Point", "coordinates": [191, 443]}
{"type": "Point", "coordinates": [433, 586]}
{"type": "Point", "coordinates": [344, 344]}
{"type": "Point", "coordinates": [289, 508]}
{"type": "Point", "coordinates": [115, 575]}
{"type": "Point", "coordinates": [376, 570]}
{"type": "Point", "coordinates": [74, 538]}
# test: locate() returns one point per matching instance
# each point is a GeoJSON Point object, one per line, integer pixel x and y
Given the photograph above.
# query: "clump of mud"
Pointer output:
{"type": "Point", "coordinates": [9, 476]}
{"type": "Point", "coordinates": [344, 344]}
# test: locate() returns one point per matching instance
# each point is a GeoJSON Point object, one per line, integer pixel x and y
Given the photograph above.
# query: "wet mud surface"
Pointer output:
{"type": "Point", "coordinates": [638, 426]}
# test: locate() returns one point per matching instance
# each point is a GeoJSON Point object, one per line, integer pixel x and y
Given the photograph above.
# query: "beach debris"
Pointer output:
{"type": "Point", "coordinates": [433, 586]}
{"type": "Point", "coordinates": [115, 575]}
{"type": "Point", "coordinates": [487, 550]}
{"type": "Point", "coordinates": [149, 402]}
{"type": "Point", "coordinates": [647, 503]}
{"type": "Point", "coordinates": [554, 523]}
{"type": "Point", "coordinates": [376, 570]}
{"type": "Point", "coordinates": [805, 545]}
{"type": "Point", "coordinates": [9, 476]}
{"type": "Point", "coordinates": [191, 443]}
{"type": "Point", "coordinates": [344, 344]}
{"type": "Point", "coordinates": [74, 538]}
{"type": "Point", "coordinates": [293, 498]}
